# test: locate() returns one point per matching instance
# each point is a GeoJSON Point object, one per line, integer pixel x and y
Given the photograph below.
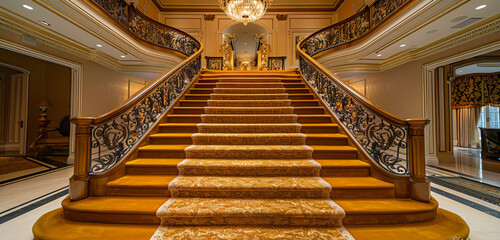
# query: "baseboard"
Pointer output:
{"type": "Point", "coordinates": [10, 148]}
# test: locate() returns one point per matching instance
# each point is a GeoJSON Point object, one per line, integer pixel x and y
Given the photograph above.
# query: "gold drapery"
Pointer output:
{"type": "Point", "coordinates": [476, 90]}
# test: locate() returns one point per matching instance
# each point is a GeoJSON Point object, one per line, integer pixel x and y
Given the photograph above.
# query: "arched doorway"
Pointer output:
{"type": "Point", "coordinates": [245, 44]}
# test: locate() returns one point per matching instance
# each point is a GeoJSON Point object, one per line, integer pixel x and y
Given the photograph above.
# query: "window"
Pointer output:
{"type": "Point", "coordinates": [490, 117]}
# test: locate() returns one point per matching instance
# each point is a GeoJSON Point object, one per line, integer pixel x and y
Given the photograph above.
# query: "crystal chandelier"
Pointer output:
{"type": "Point", "coordinates": [245, 11]}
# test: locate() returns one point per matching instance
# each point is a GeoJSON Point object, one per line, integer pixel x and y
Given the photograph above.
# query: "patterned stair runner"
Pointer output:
{"type": "Point", "coordinates": [249, 174]}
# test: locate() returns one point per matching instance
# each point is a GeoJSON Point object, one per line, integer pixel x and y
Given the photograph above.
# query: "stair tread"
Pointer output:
{"type": "Point", "coordinates": [345, 163]}
{"type": "Point", "coordinates": [246, 163]}
{"type": "Point", "coordinates": [333, 148]}
{"type": "Point", "coordinates": [199, 207]}
{"type": "Point", "coordinates": [172, 135]}
{"type": "Point", "coordinates": [356, 183]}
{"type": "Point", "coordinates": [116, 204]}
{"type": "Point", "coordinates": [153, 147]}
{"type": "Point", "coordinates": [154, 162]}
{"type": "Point", "coordinates": [252, 183]}
{"type": "Point", "coordinates": [179, 124]}
{"type": "Point", "coordinates": [325, 135]}
{"type": "Point", "coordinates": [142, 181]}
{"type": "Point", "coordinates": [384, 205]}
{"type": "Point", "coordinates": [249, 147]}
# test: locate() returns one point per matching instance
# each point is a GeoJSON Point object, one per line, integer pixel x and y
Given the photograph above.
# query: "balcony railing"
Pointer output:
{"type": "Point", "coordinates": [392, 143]}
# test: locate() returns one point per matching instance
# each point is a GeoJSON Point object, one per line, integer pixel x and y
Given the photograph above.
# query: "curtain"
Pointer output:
{"type": "Point", "coordinates": [466, 120]}
{"type": "Point", "coordinates": [475, 90]}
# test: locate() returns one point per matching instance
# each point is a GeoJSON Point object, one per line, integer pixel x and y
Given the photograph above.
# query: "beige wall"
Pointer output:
{"type": "Point", "coordinates": [399, 90]}
{"type": "Point", "coordinates": [349, 8]}
{"type": "Point", "coordinates": [282, 33]}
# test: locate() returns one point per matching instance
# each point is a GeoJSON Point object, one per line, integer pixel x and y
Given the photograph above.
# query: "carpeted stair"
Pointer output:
{"type": "Point", "coordinates": [248, 155]}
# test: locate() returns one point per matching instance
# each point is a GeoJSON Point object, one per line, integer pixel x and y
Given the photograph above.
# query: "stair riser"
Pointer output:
{"type": "Point", "coordinates": [301, 96]}
{"type": "Point", "coordinates": [248, 129]}
{"type": "Point", "coordinates": [360, 219]}
{"type": "Point", "coordinates": [270, 80]}
{"type": "Point", "coordinates": [178, 129]}
{"type": "Point", "coordinates": [246, 103]}
{"type": "Point", "coordinates": [239, 140]}
{"type": "Point", "coordinates": [345, 172]}
{"type": "Point", "coordinates": [326, 141]}
{"type": "Point", "coordinates": [332, 154]}
{"type": "Point", "coordinates": [305, 119]}
{"type": "Point", "coordinates": [295, 85]}
{"type": "Point", "coordinates": [189, 111]}
{"type": "Point", "coordinates": [248, 154]}
{"type": "Point", "coordinates": [153, 170]}
{"type": "Point", "coordinates": [305, 103]}
{"type": "Point", "coordinates": [248, 171]}
{"type": "Point", "coordinates": [251, 193]}
{"type": "Point", "coordinates": [192, 104]}
{"type": "Point", "coordinates": [162, 154]}
{"type": "Point", "coordinates": [140, 192]}
{"type": "Point", "coordinates": [248, 85]}
{"type": "Point", "coordinates": [248, 97]}
{"type": "Point", "coordinates": [297, 91]}
{"type": "Point", "coordinates": [197, 97]}
{"type": "Point", "coordinates": [305, 111]}
{"type": "Point", "coordinates": [249, 221]}
{"type": "Point", "coordinates": [204, 85]}
{"type": "Point", "coordinates": [117, 218]}
{"type": "Point", "coordinates": [325, 129]}
{"type": "Point", "coordinates": [249, 90]}
{"type": "Point", "coordinates": [253, 110]}
{"type": "Point", "coordinates": [171, 140]}
{"type": "Point", "coordinates": [248, 119]}
{"type": "Point", "coordinates": [362, 193]}
{"type": "Point", "coordinates": [184, 119]}
{"type": "Point", "coordinates": [201, 91]}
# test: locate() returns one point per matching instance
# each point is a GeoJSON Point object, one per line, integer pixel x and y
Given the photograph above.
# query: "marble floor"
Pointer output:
{"type": "Point", "coordinates": [24, 201]}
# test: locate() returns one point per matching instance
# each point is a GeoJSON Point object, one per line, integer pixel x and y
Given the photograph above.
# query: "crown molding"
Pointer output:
{"type": "Point", "coordinates": [471, 33]}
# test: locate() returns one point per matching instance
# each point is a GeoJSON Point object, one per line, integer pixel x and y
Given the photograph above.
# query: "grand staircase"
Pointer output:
{"type": "Point", "coordinates": [249, 154]}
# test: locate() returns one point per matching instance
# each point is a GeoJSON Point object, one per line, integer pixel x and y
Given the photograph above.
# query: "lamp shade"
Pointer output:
{"type": "Point", "coordinates": [44, 102]}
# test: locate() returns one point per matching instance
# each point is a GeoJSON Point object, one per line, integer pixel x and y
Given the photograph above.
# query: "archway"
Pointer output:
{"type": "Point", "coordinates": [245, 45]}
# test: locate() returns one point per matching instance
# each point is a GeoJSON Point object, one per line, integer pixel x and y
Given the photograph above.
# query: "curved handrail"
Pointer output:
{"type": "Point", "coordinates": [102, 142]}
{"type": "Point", "coordinates": [352, 28]}
{"type": "Point", "coordinates": [147, 29]}
{"type": "Point", "coordinates": [394, 143]}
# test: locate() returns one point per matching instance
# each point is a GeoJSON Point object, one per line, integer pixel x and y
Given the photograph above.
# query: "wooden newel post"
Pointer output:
{"type": "Point", "coordinates": [420, 184]}
{"type": "Point", "coordinates": [79, 182]}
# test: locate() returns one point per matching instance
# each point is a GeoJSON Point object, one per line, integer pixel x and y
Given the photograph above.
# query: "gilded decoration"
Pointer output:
{"type": "Point", "coordinates": [215, 63]}
{"type": "Point", "coordinates": [276, 63]}
{"type": "Point", "coordinates": [475, 90]}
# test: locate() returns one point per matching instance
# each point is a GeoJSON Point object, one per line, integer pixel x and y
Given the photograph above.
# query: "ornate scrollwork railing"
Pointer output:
{"type": "Point", "coordinates": [147, 29]}
{"type": "Point", "coordinates": [352, 28]}
{"type": "Point", "coordinates": [385, 140]}
{"type": "Point", "coordinates": [215, 63]}
{"type": "Point", "coordinates": [276, 63]}
{"type": "Point", "coordinates": [103, 142]}
{"type": "Point", "coordinates": [113, 139]}
{"type": "Point", "coordinates": [394, 144]}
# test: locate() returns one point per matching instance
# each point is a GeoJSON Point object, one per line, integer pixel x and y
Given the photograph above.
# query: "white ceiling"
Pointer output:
{"type": "Point", "coordinates": [439, 28]}
{"type": "Point", "coordinates": [487, 67]}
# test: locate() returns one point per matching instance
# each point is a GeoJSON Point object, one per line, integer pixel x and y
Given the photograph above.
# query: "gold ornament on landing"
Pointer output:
{"type": "Point", "coordinates": [245, 11]}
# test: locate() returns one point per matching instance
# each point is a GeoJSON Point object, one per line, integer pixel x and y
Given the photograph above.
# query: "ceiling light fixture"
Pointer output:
{"type": "Point", "coordinates": [245, 11]}
{"type": "Point", "coordinates": [123, 56]}
{"type": "Point", "coordinates": [28, 7]}
{"type": "Point", "coordinates": [98, 45]}
{"type": "Point", "coordinates": [379, 54]}
{"type": "Point", "coordinates": [402, 45]}
{"type": "Point", "coordinates": [44, 23]}
{"type": "Point", "coordinates": [480, 7]}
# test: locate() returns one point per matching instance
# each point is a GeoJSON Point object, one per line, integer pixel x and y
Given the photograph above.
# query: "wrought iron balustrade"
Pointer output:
{"type": "Point", "coordinates": [104, 142]}
{"type": "Point", "coordinates": [352, 28]}
{"type": "Point", "coordinates": [215, 63]}
{"type": "Point", "coordinates": [276, 63]}
{"type": "Point", "coordinates": [148, 29]}
{"type": "Point", "coordinates": [394, 145]}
